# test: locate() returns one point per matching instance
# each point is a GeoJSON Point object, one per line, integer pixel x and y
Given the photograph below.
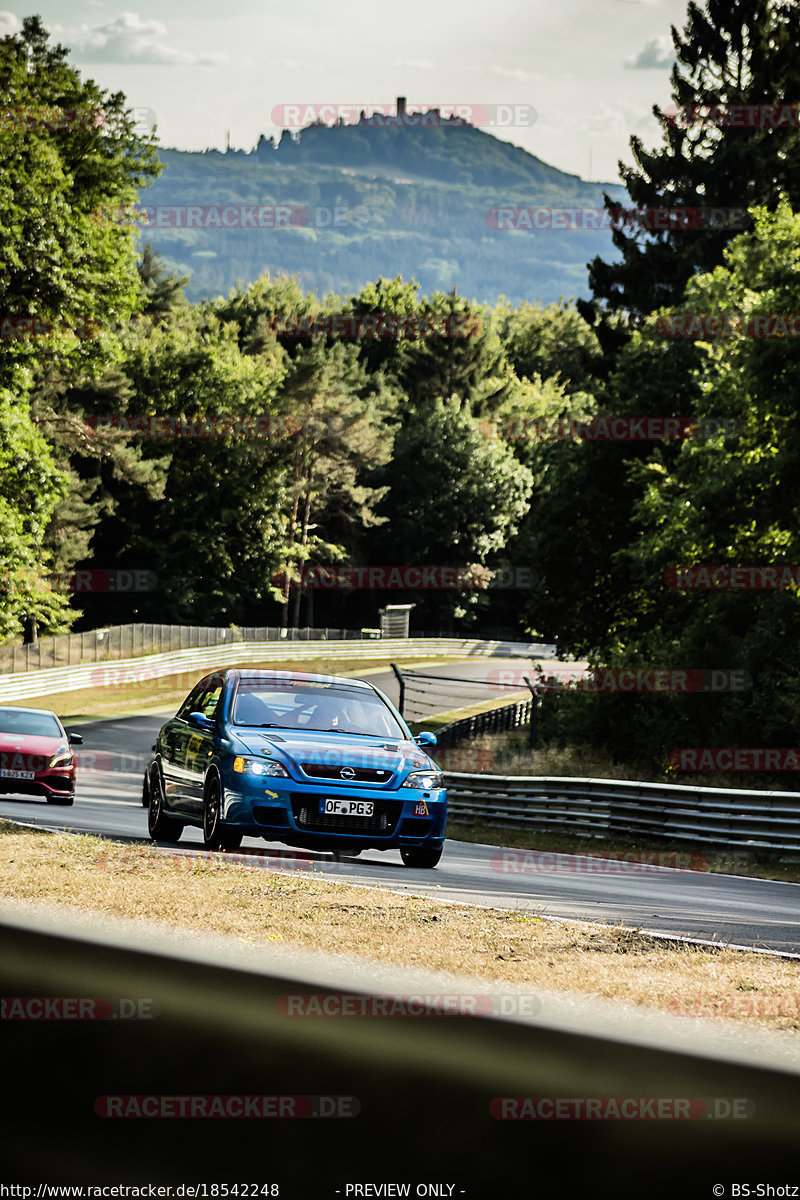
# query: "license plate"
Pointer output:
{"type": "Point", "coordinates": [347, 808]}
{"type": "Point", "coordinates": [6, 774]}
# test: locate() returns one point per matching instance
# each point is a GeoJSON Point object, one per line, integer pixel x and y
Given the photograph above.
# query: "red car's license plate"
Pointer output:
{"type": "Point", "coordinates": [6, 774]}
{"type": "Point", "coordinates": [347, 808]}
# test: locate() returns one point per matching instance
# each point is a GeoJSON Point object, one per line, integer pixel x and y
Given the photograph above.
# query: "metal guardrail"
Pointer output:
{"type": "Point", "coordinates": [138, 672]}
{"type": "Point", "coordinates": [732, 818]}
{"type": "Point", "coordinates": [219, 1025]}
{"type": "Point", "coordinates": [494, 720]}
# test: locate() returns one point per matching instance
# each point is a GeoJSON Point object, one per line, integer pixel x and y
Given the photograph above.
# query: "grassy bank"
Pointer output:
{"type": "Point", "coordinates": [296, 908]}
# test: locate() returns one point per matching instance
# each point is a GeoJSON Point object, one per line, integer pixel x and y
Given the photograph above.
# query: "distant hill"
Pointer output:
{"type": "Point", "coordinates": [412, 201]}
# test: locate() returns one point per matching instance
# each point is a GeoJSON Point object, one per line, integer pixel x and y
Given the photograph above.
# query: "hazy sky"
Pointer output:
{"type": "Point", "coordinates": [591, 69]}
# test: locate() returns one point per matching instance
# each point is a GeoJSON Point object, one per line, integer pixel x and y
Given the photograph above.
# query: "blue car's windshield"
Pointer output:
{"type": "Point", "coordinates": [319, 707]}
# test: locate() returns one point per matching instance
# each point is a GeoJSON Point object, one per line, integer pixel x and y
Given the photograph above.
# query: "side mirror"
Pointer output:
{"type": "Point", "coordinates": [200, 722]}
{"type": "Point", "coordinates": [425, 738]}
{"type": "Point", "coordinates": [74, 739]}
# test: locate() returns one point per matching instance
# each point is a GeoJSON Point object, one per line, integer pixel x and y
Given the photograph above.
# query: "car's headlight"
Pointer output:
{"type": "Point", "coordinates": [62, 758]}
{"type": "Point", "coordinates": [259, 766]}
{"type": "Point", "coordinates": [428, 780]}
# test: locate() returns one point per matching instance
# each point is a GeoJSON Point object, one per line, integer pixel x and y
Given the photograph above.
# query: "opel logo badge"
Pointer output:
{"type": "Point", "coordinates": [347, 773]}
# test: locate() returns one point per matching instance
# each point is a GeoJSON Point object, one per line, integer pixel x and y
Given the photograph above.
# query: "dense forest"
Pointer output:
{"type": "Point", "coordinates": [232, 444]}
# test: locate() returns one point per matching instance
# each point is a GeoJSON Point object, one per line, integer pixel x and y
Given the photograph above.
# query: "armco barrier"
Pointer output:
{"type": "Point", "coordinates": [727, 817]}
{"type": "Point", "coordinates": [428, 1088]}
{"type": "Point", "coordinates": [493, 720]}
{"type": "Point", "coordinates": [137, 670]}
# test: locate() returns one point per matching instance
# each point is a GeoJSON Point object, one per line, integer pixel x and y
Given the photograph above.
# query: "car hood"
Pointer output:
{"type": "Point", "coordinates": [30, 745]}
{"type": "Point", "coordinates": [332, 749]}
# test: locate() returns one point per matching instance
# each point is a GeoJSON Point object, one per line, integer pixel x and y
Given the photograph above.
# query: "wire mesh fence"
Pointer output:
{"type": "Point", "coordinates": [424, 694]}
{"type": "Point", "coordinates": [133, 641]}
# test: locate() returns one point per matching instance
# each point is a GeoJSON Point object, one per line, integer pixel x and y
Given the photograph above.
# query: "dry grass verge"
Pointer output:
{"type": "Point", "coordinates": [262, 906]}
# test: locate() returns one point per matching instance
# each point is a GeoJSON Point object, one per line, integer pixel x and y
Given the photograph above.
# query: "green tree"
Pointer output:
{"type": "Point", "coordinates": [70, 162]}
{"type": "Point", "coordinates": [549, 340]}
{"type": "Point", "coordinates": [456, 497]}
{"type": "Point", "coordinates": [163, 292]}
{"type": "Point", "coordinates": [723, 498]}
{"type": "Point", "coordinates": [344, 432]}
{"type": "Point", "coordinates": [30, 488]}
{"type": "Point", "coordinates": [214, 537]}
{"type": "Point", "coordinates": [730, 53]}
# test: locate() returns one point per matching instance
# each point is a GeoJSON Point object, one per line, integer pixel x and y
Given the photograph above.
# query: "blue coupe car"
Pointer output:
{"type": "Point", "coordinates": [309, 760]}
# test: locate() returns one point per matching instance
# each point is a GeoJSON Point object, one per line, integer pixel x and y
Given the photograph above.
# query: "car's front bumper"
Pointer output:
{"type": "Point", "coordinates": [287, 810]}
{"type": "Point", "coordinates": [50, 784]}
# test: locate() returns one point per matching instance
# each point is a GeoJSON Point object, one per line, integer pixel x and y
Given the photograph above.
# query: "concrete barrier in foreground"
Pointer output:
{"type": "Point", "coordinates": [463, 1102]}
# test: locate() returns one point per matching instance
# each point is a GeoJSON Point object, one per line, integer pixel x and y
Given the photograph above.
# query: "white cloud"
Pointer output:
{"type": "Point", "coordinates": [9, 23]}
{"type": "Point", "coordinates": [292, 64]}
{"type": "Point", "coordinates": [415, 64]}
{"type": "Point", "coordinates": [618, 119]}
{"type": "Point", "coordinates": [507, 73]}
{"type": "Point", "coordinates": [130, 39]}
{"type": "Point", "coordinates": [657, 54]}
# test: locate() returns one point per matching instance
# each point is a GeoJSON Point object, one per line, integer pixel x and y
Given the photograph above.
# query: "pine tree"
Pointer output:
{"type": "Point", "coordinates": [735, 60]}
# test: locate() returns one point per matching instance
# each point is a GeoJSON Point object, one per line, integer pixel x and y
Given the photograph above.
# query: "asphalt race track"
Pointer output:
{"type": "Point", "coordinates": [697, 904]}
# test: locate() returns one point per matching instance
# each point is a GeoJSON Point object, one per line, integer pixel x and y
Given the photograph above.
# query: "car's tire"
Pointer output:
{"type": "Point", "coordinates": [215, 835]}
{"type": "Point", "coordinates": [65, 801]}
{"type": "Point", "coordinates": [146, 790]}
{"type": "Point", "coordinates": [420, 856]}
{"type": "Point", "coordinates": [159, 825]}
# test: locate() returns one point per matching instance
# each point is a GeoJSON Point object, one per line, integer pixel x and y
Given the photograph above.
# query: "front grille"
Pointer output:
{"type": "Point", "coordinates": [360, 774]}
{"type": "Point", "coordinates": [271, 814]}
{"type": "Point", "coordinates": [382, 824]}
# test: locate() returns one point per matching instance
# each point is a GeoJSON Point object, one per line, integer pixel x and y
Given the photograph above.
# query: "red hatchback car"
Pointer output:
{"type": "Point", "coordinates": [36, 755]}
